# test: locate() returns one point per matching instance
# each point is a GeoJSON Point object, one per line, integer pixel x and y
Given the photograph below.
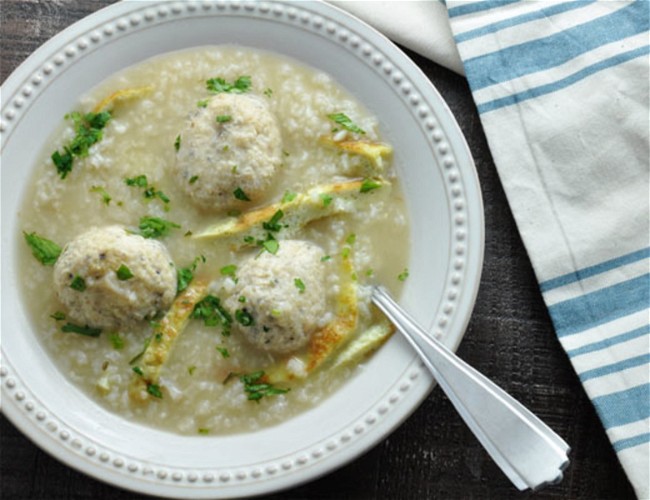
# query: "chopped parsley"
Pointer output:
{"type": "Point", "coordinates": [325, 258]}
{"type": "Point", "coordinates": [88, 131]}
{"type": "Point", "coordinates": [289, 196]}
{"type": "Point", "coordinates": [203, 103]}
{"type": "Point", "coordinates": [193, 179]}
{"type": "Point", "coordinates": [368, 185]}
{"type": "Point", "coordinates": [81, 330]}
{"type": "Point", "coordinates": [403, 275]}
{"type": "Point", "coordinates": [154, 390]}
{"type": "Point", "coordinates": [327, 199]}
{"type": "Point", "coordinates": [150, 191]}
{"type": "Point", "coordinates": [78, 284]}
{"type": "Point", "coordinates": [191, 369]}
{"type": "Point", "coordinates": [212, 313]}
{"type": "Point", "coordinates": [271, 245]}
{"type": "Point", "coordinates": [300, 285]}
{"type": "Point", "coordinates": [351, 239]}
{"type": "Point", "coordinates": [106, 198]}
{"type": "Point", "coordinates": [242, 299]}
{"type": "Point", "coordinates": [344, 121]}
{"type": "Point", "coordinates": [177, 143]}
{"type": "Point", "coordinates": [138, 370]}
{"type": "Point", "coordinates": [45, 251]}
{"type": "Point", "coordinates": [256, 389]}
{"type": "Point", "coordinates": [243, 317]}
{"type": "Point", "coordinates": [203, 430]}
{"type": "Point", "coordinates": [240, 194]}
{"type": "Point", "coordinates": [223, 118]}
{"type": "Point", "coordinates": [155, 227]}
{"type": "Point", "coordinates": [58, 316]}
{"type": "Point", "coordinates": [273, 224]}
{"type": "Point", "coordinates": [185, 275]}
{"type": "Point", "coordinates": [229, 270]}
{"type": "Point", "coordinates": [239, 86]}
{"type": "Point", "coordinates": [116, 340]}
{"type": "Point", "coordinates": [139, 181]}
{"type": "Point", "coordinates": [123, 273]}
{"type": "Point", "coordinates": [268, 92]}
{"type": "Point", "coordinates": [223, 351]}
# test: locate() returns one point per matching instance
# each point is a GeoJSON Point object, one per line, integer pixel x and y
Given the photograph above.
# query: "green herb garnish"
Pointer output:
{"type": "Point", "coordinates": [185, 275]}
{"type": "Point", "coordinates": [191, 369]}
{"type": "Point", "coordinates": [300, 285]}
{"type": "Point", "coordinates": [256, 388]}
{"type": "Point", "coordinates": [403, 275]}
{"type": "Point", "coordinates": [106, 198]}
{"type": "Point", "coordinates": [273, 224]}
{"type": "Point", "coordinates": [78, 284]}
{"type": "Point", "coordinates": [289, 196]}
{"type": "Point", "coordinates": [271, 245]}
{"type": "Point", "coordinates": [223, 351]}
{"type": "Point", "coordinates": [203, 103]}
{"type": "Point", "coordinates": [203, 430]}
{"type": "Point", "coordinates": [154, 390]}
{"type": "Point", "coordinates": [81, 330]}
{"type": "Point", "coordinates": [139, 181]}
{"type": "Point", "coordinates": [327, 199]}
{"type": "Point", "coordinates": [351, 239]}
{"type": "Point", "coordinates": [268, 92]}
{"type": "Point", "coordinates": [45, 251]}
{"type": "Point", "coordinates": [58, 315]}
{"type": "Point", "coordinates": [123, 273]}
{"type": "Point", "coordinates": [212, 313]}
{"type": "Point", "coordinates": [344, 121]}
{"type": "Point", "coordinates": [138, 370]}
{"type": "Point", "coordinates": [88, 131]}
{"type": "Point", "coordinates": [223, 118]}
{"type": "Point", "coordinates": [155, 227]}
{"type": "Point", "coordinates": [240, 194]}
{"type": "Point", "coordinates": [229, 270]}
{"type": "Point", "coordinates": [147, 341]}
{"type": "Point", "coordinates": [116, 340]}
{"type": "Point", "coordinates": [369, 185]}
{"type": "Point", "coordinates": [243, 317]}
{"type": "Point", "coordinates": [193, 179]}
{"type": "Point", "coordinates": [239, 86]}
{"type": "Point", "coordinates": [177, 143]}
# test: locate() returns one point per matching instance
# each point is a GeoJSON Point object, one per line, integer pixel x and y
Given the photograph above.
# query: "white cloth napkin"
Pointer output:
{"type": "Point", "coordinates": [562, 88]}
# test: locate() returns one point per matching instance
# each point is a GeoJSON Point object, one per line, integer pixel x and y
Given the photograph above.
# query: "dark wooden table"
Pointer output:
{"type": "Point", "coordinates": [432, 455]}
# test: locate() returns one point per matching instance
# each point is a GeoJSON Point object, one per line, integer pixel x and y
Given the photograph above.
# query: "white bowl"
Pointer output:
{"type": "Point", "coordinates": [446, 249]}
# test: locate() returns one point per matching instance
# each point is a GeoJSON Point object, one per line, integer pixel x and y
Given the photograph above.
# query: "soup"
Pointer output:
{"type": "Point", "coordinates": [217, 212]}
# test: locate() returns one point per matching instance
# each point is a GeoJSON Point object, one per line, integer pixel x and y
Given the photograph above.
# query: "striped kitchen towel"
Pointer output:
{"type": "Point", "coordinates": [562, 88]}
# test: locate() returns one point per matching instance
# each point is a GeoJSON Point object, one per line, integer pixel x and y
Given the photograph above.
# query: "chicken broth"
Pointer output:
{"type": "Point", "coordinates": [323, 191]}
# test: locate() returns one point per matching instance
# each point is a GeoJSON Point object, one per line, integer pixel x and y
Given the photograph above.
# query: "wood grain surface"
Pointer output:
{"type": "Point", "coordinates": [432, 455]}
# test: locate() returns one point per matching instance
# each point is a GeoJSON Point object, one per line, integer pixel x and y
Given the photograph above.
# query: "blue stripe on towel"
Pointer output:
{"type": "Point", "coordinates": [595, 308]}
{"type": "Point", "coordinates": [556, 49]}
{"type": "Point", "coordinates": [471, 7]}
{"type": "Point", "coordinates": [523, 18]}
{"type": "Point", "coordinates": [631, 442]}
{"type": "Point", "coordinates": [624, 407]}
{"type": "Point", "coordinates": [603, 344]}
{"type": "Point", "coordinates": [615, 367]}
{"type": "Point", "coordinates": [587, 272]}
{"type": "Point", "coordinates": [564, 82]}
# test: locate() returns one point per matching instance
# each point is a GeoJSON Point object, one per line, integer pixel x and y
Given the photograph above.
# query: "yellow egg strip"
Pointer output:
{"type": "Point", "coordinates": [374, 151]}
{"type": "Point", "coordinates": [364, 344]}
{"type": "Point", "coordinates": [316, 203]}
{"type": "Point", "coordinates": [121, 95]}
{"type": "Point", "coordinates": [163, 338]}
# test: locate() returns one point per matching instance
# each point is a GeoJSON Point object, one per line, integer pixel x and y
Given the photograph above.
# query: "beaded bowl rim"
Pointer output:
{"type": "Point", "coordinates": [28, 409]}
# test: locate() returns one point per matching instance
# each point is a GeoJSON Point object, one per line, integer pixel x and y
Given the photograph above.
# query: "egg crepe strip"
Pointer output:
{"type": "Point", "coordinates": [121, 95]}
{"type": "Point", "coordinates": [321, 201]}
{"type": "Point", "coordinates": [373, 151]}
{"type": "Point", "coordinates": [161, 343]}
{"type": "Point", "coordinates": [329, 338]}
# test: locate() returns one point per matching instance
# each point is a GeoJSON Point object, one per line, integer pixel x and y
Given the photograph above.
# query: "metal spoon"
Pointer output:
{"type": "Point", "coordinates": [523, 446]}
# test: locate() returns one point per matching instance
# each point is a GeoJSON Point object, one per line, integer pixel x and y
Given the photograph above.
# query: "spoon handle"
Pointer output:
{"type": "Point", "coordinates": [525, 448]}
